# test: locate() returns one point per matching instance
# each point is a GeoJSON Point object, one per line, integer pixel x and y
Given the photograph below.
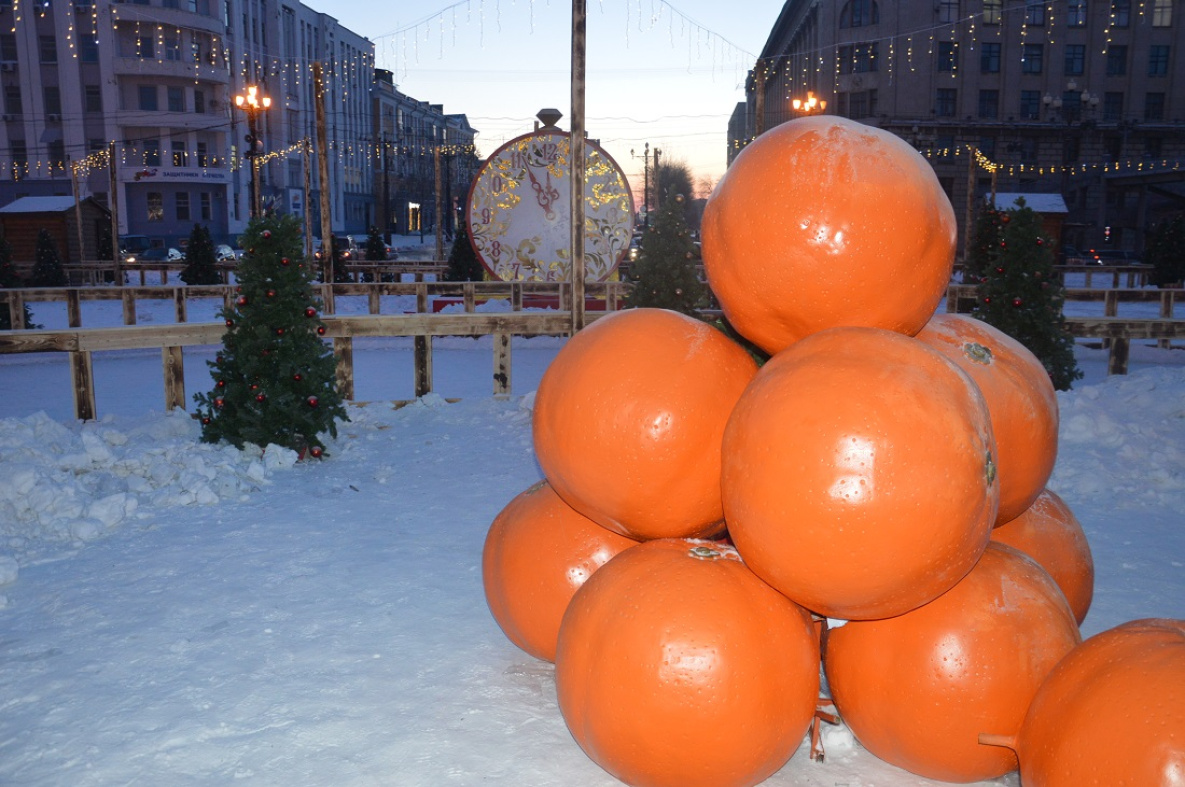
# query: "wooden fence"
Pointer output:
{"type": "Point", "coordinates": [423, 325]}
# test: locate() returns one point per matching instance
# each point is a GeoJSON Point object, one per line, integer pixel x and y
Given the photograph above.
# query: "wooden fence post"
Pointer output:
{"type": "Point", "coordinates": [502, 364]}
{"type": "Point", "coordinates": [83, 379]}
{"type": "Point", "coordinates": [73, 309]}
{"type": "Point", "coordinates": [174, 368]}
{"type": "Point", "coordinates": [343, 355]}
{"type": "Point", "coordinates": [423, 362]}
{"type": "Point", "coordinates": [129, 306]}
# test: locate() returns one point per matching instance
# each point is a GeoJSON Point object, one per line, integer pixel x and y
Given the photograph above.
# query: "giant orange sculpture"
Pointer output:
{"type": "Point", "coordinates": [628, 420]}
{"type": "Point", "coordinates": [918, 689]}
{"type": "Point", "coordinates": [859, 473]}
{"type": "Point", "coordinates": [822, 222]}
{"type": "Point", "coordinates": [677, 667]}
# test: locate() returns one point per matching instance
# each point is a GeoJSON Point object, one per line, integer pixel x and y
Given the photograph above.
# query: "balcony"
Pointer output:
{"type": "Point", "coordinates": [152, 70]}
{"type": "Point", "coordinates": [168, 17]}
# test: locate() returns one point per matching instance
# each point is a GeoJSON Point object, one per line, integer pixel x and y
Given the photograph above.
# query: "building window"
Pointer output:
{"type": "Point", "coordinates": [145, 47]}
{"type": "Point", "coordinates": [96, 145]}
{"type": "Point", "coordinates": [171, 3]}
{"type": "Point", "coordinates": [1158, 60]}
{"type": "Point", "coordinates": [1112, 149]}
{"type": "Point", "coordinates": [203, 157]}
{"type": "Point", "coordinates": [57, 154]}
{"type": "Point", "coordinates": [1032, 58]}
{"type": "Point", "coordinates": [180, 154]}
{"type": "Point", "coordinates": [1154, 106]}
{"type": "Point", "coordinates": [854, 58]}
{"type": "Point", "coordinates": [148, 98]}
{"type": "Point", "coordinates": [20, 156]}
{"type": "Point", "coordinates": [1075, 59]}
{"type": "Point", "coordinates": [1070, 149]}
{"type": "Point", "coordinates": [1117, 60]}
{"type": "Point", "coordinates": [93, 98]}
{"type": "Point", "coordinates": [172, 46]}
{"type": "Point", "coordinates": [989, 104]}
{"type": "Point", "coordinates": [48, 49]}
{"type": "Point", "coordinates": [1076, 13]}
{"type": "Point", "coordinates": [13, 104]}
{"type": "Point", "coordinates": [1121, 13]}
{"type": "Point", "coordinates": [8, 47]}
{"type": "Point", "coordinates": [53, 99]}
{"type": "Point", "coordinates": [1030, 104]}
{"type": "Point", "coordinates": [152, 152]}
{"type": "Point", "coordinates": [1162, 13]}
{"type": "Point", "coordinates": [1035, 13]}
{"type": "Point", "coordinates": [993, 11]}
{"type": "Point", "coordinates": [176, 98]}
{"type": "Point", "coordinates": [199, 101]}
{"type": "Point", "coordinates": [182, 205]}
{"type": "Point", "coordinates": [1152, 147]}
{"type": "Point", "coordinates": [88, 47]}
{"type": "Point", "coordinates": [156, 206]}
{"type": "Point", "coordinates": [948, 10]}
{"type": "Point", "coordinates": [946, 102]}
{"type": "Point", "coordinates": [205, 206]}
{"type": "Point", "coordinates": [858, 13]}
{"type": "Point", "coordinates": [948, 55]}
{"type": "Point", "coordinates": [1112, 105]}
{"type": "Point", "coordinates": [989, 58]}
{"type": "Point", "coordinates": [987, 146]}
{"type": "Point", "coordinates": [862, 104]}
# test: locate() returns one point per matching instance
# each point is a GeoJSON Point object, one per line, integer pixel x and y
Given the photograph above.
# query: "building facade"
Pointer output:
{"type": "Point", "coordinates": [142, 93]}
{"type": "Point", "coordinates": [1085, 98]}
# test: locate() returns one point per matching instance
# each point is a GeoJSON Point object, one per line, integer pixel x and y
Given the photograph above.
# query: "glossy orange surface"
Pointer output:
{"type": "Point", "coordinates": [628, 421]}
{"type": "Point", "coordinates": [1020, 398]}
{"type": "Point", "coordinates": [1049, 533]}
{"type": "Point", "coordinates": [537, 553]}
{"type": "Point", "coordinates": [822, 222]}
{"type": "Point", "coordinates": [858, 473]}
{"type": "Point", "coordinates": [917, 690]}
{"type": "Point", "coordinates": [677, 667]}
{"type": "Point", "coordinates": [1112, 712]}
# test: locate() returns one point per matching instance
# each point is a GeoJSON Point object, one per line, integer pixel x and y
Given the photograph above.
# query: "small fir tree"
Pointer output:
{"type": "Point", "coordinates": [48, 270]}
{"type": "Point", "coordinates": [1022, 295]}
{"type": "Point", "coordinates": [274, 379]}
{"type": "Point", "coordinates": [463, 264]}
{"type": "Point", "coordinates": [10, 279]}
{"type": "Point", "coordinates": [376, 247]}
{"type": "Point", "coordinates": [200, 263]}
{"type": "Point", "coordinates": [1166, 252]}
{"type": "Point", "coordinates": [666, 275]}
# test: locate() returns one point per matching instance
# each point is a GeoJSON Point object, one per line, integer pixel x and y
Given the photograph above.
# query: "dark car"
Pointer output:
{"type": "Point", "coordinates": [155, 254]}
{"type": "Point", "coordinates": [1115, 257]}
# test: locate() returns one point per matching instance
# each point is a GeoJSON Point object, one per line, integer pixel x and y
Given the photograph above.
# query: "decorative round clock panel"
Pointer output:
{"type": "Point", "coordinates": [520, 210]}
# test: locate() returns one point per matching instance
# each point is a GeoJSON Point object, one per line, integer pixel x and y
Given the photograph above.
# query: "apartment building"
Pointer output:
{"type": "Point", "coordinates": [1082, 98]}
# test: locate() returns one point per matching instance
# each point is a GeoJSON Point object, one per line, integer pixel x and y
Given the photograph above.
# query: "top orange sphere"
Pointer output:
{"type": "Point", "coordinates": [824, 222]}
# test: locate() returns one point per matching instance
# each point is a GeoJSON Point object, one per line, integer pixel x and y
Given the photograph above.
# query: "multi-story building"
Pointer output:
{"type": "Point", "coordinates": [1085, 98]}
{"type": "Point", "coordinates": [155, 81]}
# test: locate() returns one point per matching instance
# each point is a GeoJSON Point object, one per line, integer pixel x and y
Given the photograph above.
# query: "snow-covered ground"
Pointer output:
{"type": "Point", "coordinates": [178, 613]}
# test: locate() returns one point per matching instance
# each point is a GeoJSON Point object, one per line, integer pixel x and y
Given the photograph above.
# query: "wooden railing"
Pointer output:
{"type": "Point", "coordinates": [423, 325]}
{"type": "Point", "coordinates": [97, 272]}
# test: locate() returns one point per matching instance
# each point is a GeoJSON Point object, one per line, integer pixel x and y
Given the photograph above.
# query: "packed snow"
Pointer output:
{"type": "Point", "coordinates": [179, 613]}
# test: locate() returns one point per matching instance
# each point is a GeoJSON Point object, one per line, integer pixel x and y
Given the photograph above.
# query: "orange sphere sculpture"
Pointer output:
{"type": "Point", "coordinates": [1049, 533]}
{"type": "Point", "coordinates": [537, 553]}
{"type": "Point", "coordinates": [917, 690]}
{"type": "Point", "coordinates": [628, 421]}
{"type": "Point", "coordinates": [858, 473]}
{"type": "Point", "coordinates": [1112, 712]}
{"type": "Point", "coordinates": [677, 667]}
{"type": "Point", "coordinates": [1020, 398]}
{"type": "Point", "coordinates": [822, 222]}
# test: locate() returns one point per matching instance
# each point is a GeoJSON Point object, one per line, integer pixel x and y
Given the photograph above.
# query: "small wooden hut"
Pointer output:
{"type": "Point", "coordinates": [23, 218]}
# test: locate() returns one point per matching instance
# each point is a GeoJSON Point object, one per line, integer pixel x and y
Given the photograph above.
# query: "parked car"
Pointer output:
{"type": "Point", "coordinates": [224, 253]}
{"type": "Point", "coordinates": [134, 244]}
{"type": "Point", "coordinates": [156, 254]}
{"type": "Point", "coordinates": [1115, 257]}
{"type": "Point", "coordinates": [347, 249]}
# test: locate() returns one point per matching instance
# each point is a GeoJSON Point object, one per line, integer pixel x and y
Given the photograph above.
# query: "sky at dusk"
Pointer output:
{"type": "Point", "coordinates": [667, 74]}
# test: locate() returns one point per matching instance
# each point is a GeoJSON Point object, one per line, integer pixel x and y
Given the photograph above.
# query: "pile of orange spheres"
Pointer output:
{"type": "Point", "coordinates": [886, 466]}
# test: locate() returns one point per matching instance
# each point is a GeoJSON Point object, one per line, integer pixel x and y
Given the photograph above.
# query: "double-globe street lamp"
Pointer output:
{"type": "Point", "coordinates": [253, 102]}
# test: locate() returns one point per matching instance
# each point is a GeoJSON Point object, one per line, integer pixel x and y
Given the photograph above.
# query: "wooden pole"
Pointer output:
{"type": "Point", "coordinates": [306, 157]}
{"type": "Point", "coordinates": [439, 205]}
{"type": "Point", "coordinates": [576, 150]}
{"type": "Point", "coordinates": [77, 210]}
{"type": "Point", "coordinates": [759, 99]}
{"type": "Point", "coordinates": [970, 200]}
{"type": "Point", "coordinates": [323, 174]}
{"type": "Point", "coordinates": [113, 202]}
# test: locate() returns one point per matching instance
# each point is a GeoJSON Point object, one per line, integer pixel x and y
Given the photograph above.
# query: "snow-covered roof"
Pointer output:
{"type": "Point", "coordinates": [39, 205]}
{"type": "Point", "coordinates": [1040, 203]}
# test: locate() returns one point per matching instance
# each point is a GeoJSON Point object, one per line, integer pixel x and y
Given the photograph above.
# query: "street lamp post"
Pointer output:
{"type": "Point", "coordinates": [252, 102]}
{"type": "Point", "coordinates": [809, 105]}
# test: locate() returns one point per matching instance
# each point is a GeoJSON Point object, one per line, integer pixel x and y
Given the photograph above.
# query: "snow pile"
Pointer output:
{"type": "Point", "coordinates": [63, 485]}
{"type": "Point", "coordinates": [1124, 438]}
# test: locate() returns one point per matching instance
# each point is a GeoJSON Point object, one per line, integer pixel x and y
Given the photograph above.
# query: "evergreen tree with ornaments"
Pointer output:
{"type": "Point", "coordinates": [274, 379]}
{"type": "Point", "coordinates": [200, 264]}
{"type": "Point", "coordinates": [666, 273]}
{"type": "Point", "coordinates": [48, 270]}
{"type": "Point", "coordinates": [1021, 294]}
{"type": "Point", "coordinates": [985, 245]}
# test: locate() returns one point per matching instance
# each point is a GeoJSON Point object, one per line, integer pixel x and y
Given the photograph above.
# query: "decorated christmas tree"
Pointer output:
{"type": "Point", "coordinates": [376, 248]}
{"type": "Point", "coordinates": [1020, 294]}
{"type": "Point", "coordinates": [463, 264]}
{"type": "Point", "coordinates": [274, 379]}
{"type": "Point", "coordinates": [985, 245]}
{"type": "Point", "coordinates": [1166, 252]}
{"type": "Point", "coordinates": [47, 270]}
{"type": "Point", "coordinates": [199, 258]}
{"type": "Point", "coordinates": [666, 274]}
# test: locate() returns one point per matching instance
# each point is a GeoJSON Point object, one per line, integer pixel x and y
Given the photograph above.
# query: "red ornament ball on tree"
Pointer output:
{"type": "Point", "coordinates": [230, 323]}
{"type": "Point", "coordinates": [1005, 218]}
{"type": "Point", "coordinates": [260, 397]}
{"type": "Point", "coordinates": [320, 330]}
{"type": "Point", "coordinates": [297, 377]}
{"type": "Point", "coordinates": [279, 332]}
{"type": "Point", "coordinates": [271, 293]}
{"type": "Point", "coordinates": [312, 401]}
{"type": "Point", "coordinates": [283, 260]}
{"type": "Point", "coordinates": [1017, 302]}
{"type": "Point", "coordinates": [310, 312]}
{"type": "Point", "coordinates": [206, 420]}
{"type": "Point", "coordinates": [219, 402]}
{"type": "Point", "coordinates": [242, 301]}
{"type": "Point", "coordinates": [1040, 241]}
{"type": "Point", "coordinates": [316, 452]}
{"type": "Point", "coordinates": [220, 384]}
{"type": "Point", "coordinates": [267, 234]}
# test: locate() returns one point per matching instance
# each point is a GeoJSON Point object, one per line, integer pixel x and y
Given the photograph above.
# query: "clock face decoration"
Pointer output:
{"type": "Point", "coordinates": [520, 210]}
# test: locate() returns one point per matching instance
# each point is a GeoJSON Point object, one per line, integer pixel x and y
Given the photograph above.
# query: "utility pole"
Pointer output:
{"type": "Point", "coordinates": [323, 175]}
{"type": "Point", "coordinates": [657, 191]}
{"type": "Point", "coordinates": [576, 151]}
{"type": "Point", "coordinates": [759, 108]}
{"type": "Point", "coordinates": [438, 197]}
{"type": "Point", "coordinates": [306, 157]}
{"type": "Point", "coordinates": [77, 211]}
{"type": "Point", "coordinates": [113, 202]}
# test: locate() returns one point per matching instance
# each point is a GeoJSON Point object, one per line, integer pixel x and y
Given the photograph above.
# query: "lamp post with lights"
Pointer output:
{"type": "Point", "coordinates": [253, 102]}
{"type": "Point", "coordinates": [809, 105]}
